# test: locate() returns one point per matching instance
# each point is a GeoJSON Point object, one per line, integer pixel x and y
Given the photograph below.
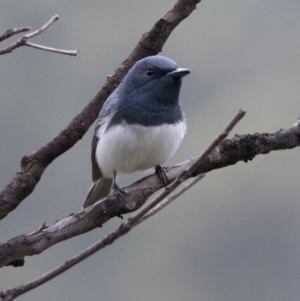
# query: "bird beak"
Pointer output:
{"type": "Point", "coordinates": [179, 72]}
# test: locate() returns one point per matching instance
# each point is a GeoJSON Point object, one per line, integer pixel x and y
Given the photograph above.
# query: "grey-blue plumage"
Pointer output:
{"type": "Point", "coordinates": [140, 125]}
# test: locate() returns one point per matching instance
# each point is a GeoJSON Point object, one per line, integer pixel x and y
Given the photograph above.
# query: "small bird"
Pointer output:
{"type": "Point", "coordinates": [140, 126]}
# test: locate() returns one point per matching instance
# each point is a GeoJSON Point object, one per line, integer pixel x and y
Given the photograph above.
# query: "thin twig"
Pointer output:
{"type": "Point", "coordinates": [240, 148]}
{"type": "Point", "coordinates": [124, 228]}
{"type": "Point", "coordinates": [23, 41]}
{"type": "Point", "coordinates": [43, 28]}
{"type": "Point", "coordinates": [186, 173]}
{"type": "Point", "coordinates": [172, 197]}
{"type": "Point", "coordinates": [11, 32]}
{"type": "Point", "coordinates": [240, 114]}
{"type": "Point", "coordinates": [67, 52]}
{"type": "Point", "coordinates": [34, 165]}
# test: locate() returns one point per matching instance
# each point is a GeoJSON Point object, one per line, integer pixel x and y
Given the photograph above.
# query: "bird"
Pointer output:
{"type": "Point", "coordinates": [140, 126]}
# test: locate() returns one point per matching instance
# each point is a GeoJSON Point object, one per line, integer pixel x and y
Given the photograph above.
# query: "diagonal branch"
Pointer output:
{"type": "Point", "coordinates": [229, 152]}
{"type": "Point", "coordinates": [11, 294]}
{"type": "Point", "coordinates": [43, 28]}
{"type": "Point", "coordinates": [165, 197]}
{"type": "Point", "coordinates": [172, 197]}
{"type": "Point", "coordinates": [33, 166]}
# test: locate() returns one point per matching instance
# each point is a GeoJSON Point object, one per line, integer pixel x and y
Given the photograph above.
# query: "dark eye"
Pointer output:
{"type": "Point", "coordinates": [150, 72]}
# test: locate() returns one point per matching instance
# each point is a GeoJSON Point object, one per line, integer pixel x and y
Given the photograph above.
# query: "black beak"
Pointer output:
{"type": "Point", "coordinates": [179, 72]}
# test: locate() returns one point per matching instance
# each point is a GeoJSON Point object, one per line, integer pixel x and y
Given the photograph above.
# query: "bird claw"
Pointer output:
{"type": "Point", "coordinates": [160, 171]}
{"type": "Point", "coordinates": [118, 192]}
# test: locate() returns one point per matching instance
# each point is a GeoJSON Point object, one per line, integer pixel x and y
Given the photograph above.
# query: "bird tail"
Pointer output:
{"type": "Point", "coordinates": [99, 190]}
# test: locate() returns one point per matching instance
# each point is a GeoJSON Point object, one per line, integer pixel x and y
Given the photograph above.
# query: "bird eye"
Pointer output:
{"type": "Point", "coordinates": [150, 72]}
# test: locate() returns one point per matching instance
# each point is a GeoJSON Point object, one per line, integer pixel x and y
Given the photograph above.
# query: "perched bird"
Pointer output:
{"type": "Point", "coordinates": [140, 125]}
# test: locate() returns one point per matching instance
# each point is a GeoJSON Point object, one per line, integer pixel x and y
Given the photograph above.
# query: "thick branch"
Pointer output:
{"type": "Point", "coordinates": [166, 196]}
{"type": "Point", "coordinates": [229, 152]}
{"type": "Point", "coordinates": [123, 229]}
{"type": "Point", "coordinates": [33, 166]}
{"type": "Point", "coordinates": [246, 147]}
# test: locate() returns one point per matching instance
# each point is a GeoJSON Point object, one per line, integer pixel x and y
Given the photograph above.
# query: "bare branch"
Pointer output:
{"type": "Point", "coordinates": [24, 40]}
{"type": "Point", "coordinates": [130, 224]}
{"type": "Point", "coordinates": [172, 197]}
{"type": "Point", "coordinates": [43, 28]}
{"type": "Point", "coordinates": [20, 290]}
{"type": "Point", "coordinates": [11, 32]}
{"type": "Point", "coordinates": [33, 166]}
{"type": "Point", "coordinates": [187, 172]}
{"type": "Point", "coordinates": [217, 141]}
{"type": "Point", "coordinates": [229, 152]}
{"type": "Point", "coordinates": [67, 52]}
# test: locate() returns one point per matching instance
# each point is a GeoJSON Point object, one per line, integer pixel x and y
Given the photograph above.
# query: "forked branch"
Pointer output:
{"type": "Point", "coordinates": [167, 195]}
{"type": "Point", "coordinates": [23, 41]}
{"type": "Point", "coordinates": [34, 165]}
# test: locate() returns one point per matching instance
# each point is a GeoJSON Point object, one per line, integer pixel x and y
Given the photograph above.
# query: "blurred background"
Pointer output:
{"type": "Point", "coordinates": [236, 235]}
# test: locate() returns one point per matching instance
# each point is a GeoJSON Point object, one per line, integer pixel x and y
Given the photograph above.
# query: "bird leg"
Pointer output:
{"type": "Point", "coordinates": [160, 171]}
{"type": "Point", "coordinates": [120, 193]}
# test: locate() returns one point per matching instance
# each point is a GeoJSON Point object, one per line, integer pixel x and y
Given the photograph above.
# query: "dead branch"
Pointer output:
{"type": "Point", "coordinates": [33, 166]}
{"type": "Point", "coordinates": [165, 197]}
{"type": "Point", "coordinates": [23, 41]}
{"type": "Point", "coordinates": [229, 152]}
{"type": "Point", "coordinates": [11, 32]}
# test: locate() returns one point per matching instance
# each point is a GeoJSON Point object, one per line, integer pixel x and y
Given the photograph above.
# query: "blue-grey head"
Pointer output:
{"type": "Point", "coordinates": [149, 93]}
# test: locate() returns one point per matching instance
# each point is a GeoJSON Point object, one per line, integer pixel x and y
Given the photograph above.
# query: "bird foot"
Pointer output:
{"type": "Point", "coordinates": [118, 192]}
{"type": "Point", "coordinates": [160, 171]}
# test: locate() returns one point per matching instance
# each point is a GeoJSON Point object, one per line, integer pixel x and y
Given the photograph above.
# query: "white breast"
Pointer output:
{"type": "Point", "coordinates": [127, 148]}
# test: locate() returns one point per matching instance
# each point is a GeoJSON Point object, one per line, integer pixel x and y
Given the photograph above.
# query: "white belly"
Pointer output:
{"type": "Point", "coordinates": [127, 148]}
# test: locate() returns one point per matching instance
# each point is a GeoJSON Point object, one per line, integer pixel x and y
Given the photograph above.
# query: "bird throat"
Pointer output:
{"type": "Point", "coordinates": [150, 115]}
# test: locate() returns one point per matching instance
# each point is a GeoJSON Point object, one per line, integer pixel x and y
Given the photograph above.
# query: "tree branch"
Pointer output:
{"type": "Point", "coordinates": [24, 40]}
{"type": "Point", "coordinates": [229, 152]}
{"type": "Point", "coordinates": [165, 197]}
{"type": "Point", "coordinates": [11, 32]}
{"type": "Point", "coordinates": [11, 294]}
{"type": "Point", "coordinates": [50, 49]}
{"type": "Point", "coordinates": [33, 166]}
{"type": "Point", "coordinates": [172, 197]}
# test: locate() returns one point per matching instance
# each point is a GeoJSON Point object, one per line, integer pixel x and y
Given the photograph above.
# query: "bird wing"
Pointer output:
{"type": "Point", "coordinates": [96, 172]}
{"type": "Point", "coordinates": [105, 115]}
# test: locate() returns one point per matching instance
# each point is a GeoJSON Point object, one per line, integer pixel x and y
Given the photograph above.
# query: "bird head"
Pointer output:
{"type": "Point", "coordinates": [153, 78]}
